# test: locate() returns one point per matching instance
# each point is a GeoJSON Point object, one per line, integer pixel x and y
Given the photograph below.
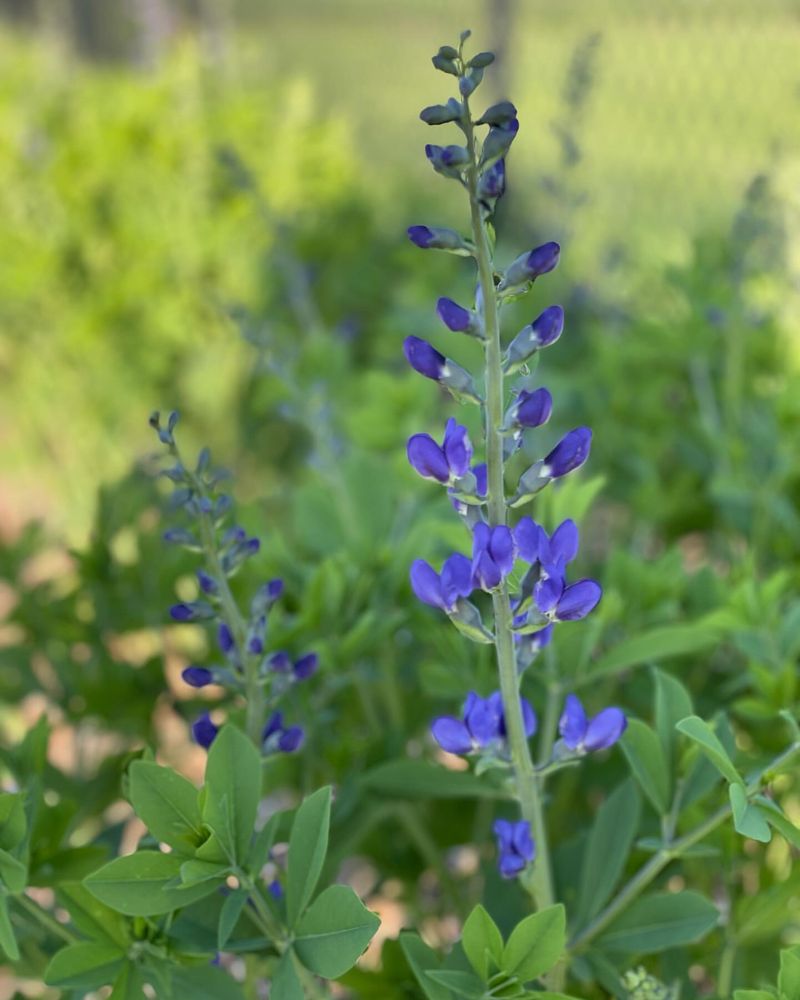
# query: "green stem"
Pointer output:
{"type": "Point", "coordinates": [46, 919]}
{"type": "Point", "coordinates": [670, 852]}
{"type": "Point", "coordinates": [540, 882]}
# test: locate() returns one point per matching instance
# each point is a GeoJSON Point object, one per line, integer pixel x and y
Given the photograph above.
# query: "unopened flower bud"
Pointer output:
{"type": "Point", "coordinates": [439, 238]}
{"type": "Point", "coordinates": [498, 114]}
{"type": "Point", "coordinates": [530, 266]}
{"type": "Point", "coordinates": [441, 114]}
{"type": "Point", "coordinates": [197, 677]}
{"type": "Point", "coordinates": [542, 332]}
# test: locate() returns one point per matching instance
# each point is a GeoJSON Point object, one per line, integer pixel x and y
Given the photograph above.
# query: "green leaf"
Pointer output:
{"type": "Point", "coordinates": [286, 983]}
{"type": "Point", "coordinates": [128, 984]}
{"type": "Point", "coordinates": [167, 803]}
{"type": "Point", "coordinates": [753, 995]}
{"type": "Point", "coordinates": [672, 703]}
{"type": "Point", "coordinates": [85, 966]}
{"type": "Point", "coordinates": [12, 820]}
{"type": "Point", "coordinates": [91, 917]}
{"type": "Point", "coordinates": [789, 975]}
{"type": "Point", "coordinates": [482, 941]}
{"type": "Point", "coordinates": [262, 845]}
{"type": "Point", "coordinates": [142, 884]}
{"type": "Point", "coordinates": [607, 849]}
{"type": "Point", "coordinates": [233, 791]}
{"type": "Point", "coordinates": [417, 779]}
{"type": "Point", "coordinates": [660, 921]}
{"type": "Point", "coordinates": [334, 931]}
{"type": "Point", "coordinates": [535, 944]}
{"type": "Point", "coordinates": [657, 644]}
{"type": "Point", "coordinates": [13, 872]}
{"type": "Point", "coordinates": [205, 982]}
{"type": "Point", "coordinates": [194, 872]}
{"type": "Point", "coordinates": [229, 915]}
{"type": "Point", "coordinates": [464, 984]}
{"type": "Point", "coordinates": [308, 846]}
{"type": "Point", "coordinates": [646, 759]}
{"type": "Point", "coordinates": [422, 960]}
{"type": "Point", "coordinates": [7, 940]}
{"type": "Point", "coordinates": [708, 741]}
{"type": "Point", "coordinates": [777, 819]}
{"type": "Point", "coordinates": [747, 817]}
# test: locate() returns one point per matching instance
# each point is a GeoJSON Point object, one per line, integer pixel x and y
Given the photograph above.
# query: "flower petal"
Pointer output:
{"type": "Point", "coordinates": [427, 458]}
{"type": "Point", "coordinates": [426, 584]}
{"type": "Point", "coordinates": [578, 600]}
{"type": "Point", "coordinates": [451, 734]}
{"type": "Point", "coordinates": [605, 729]}
{"type": "Point", "coordinates": [573, 722]}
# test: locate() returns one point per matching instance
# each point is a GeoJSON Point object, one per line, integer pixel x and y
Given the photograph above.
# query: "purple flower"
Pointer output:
{"type": "Point", "coordinates": [569, 454]}
{"type": "Point", "coordinates": [276, 736]}
{"type": "Point", "coordinates": [542, 332]}
{"type": "Point", "coordinates": [191, 611]}
{"type": "Point", "coordinates": [280, 662]}
{"type": "Point", "coordinates": [493, 552]}
{"type": "Point", "coordinates": [515, 846]}
{"type": "Point", "coordinates": [483, 724]}
{"type": "Point", "coordinates": [305, 666]}
{"type": "Point", "coordinates": [530, 266]}
{"type": "Point", "coordinates": [553, 552]}
{"type": "Point", "coordinates": [207, 583]}
{"type": "Point", "coordinates": [225, 639]}
{"type": "Point", "coordinates": [255, 645]}
{"type": "Point", "coordinates": [442, 590]}
{"type": "Point", "coordinates": [204, 731]}
{"type": "Point", "coordinates": [438, 238]}
{"type": "Point", "coordinates": [492, 182]}
{"type": "Point", "coordinates": [578, 600]}
{"type": "Point", "coordinates": [447, 463]}
{"type": "Point", "coordinates": [532, 409]}
{"type": "Point", "coordinates": [197, 677]}
{"type": "Point", "coordinates": [455, 317]}
{"type": "Point", "coordinates": [424, 359]}
{"type": "Point", "coordinates": [275, 889]}
{"type": "Point", "coordinates": [584, 735]}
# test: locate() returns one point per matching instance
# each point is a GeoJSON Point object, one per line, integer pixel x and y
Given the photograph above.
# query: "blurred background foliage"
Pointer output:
{"type": "Point", "coordinates": [203, 204]}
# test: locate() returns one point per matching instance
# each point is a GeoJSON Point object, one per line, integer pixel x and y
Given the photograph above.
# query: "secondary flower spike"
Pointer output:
{"type": "Point", "coordinates": [515, 846]}
{"type": "Point", "coordinates": [582, 734]}
{"type": "Point", "coordinates": [482, 725]}
{"type": "Point", "coordinates": [445, 463]}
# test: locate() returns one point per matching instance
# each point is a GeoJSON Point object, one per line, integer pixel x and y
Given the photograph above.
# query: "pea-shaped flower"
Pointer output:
{"type": "Point", "coordinates": [442, 590]}
{"type": "Point", "coordinates": [582, 734]}
{"type": "Point", "coordinates": [444, 463]}
{"type": "Point", "coordinates": [493, 552]}
{"type": "Point", "coordinates": [515, 846]}
{"type": "Point", "coordinates": [482, 724]}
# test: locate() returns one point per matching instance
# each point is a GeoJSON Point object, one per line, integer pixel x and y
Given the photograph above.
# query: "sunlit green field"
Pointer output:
{"type": "Point", "coordinates": [123, 245]}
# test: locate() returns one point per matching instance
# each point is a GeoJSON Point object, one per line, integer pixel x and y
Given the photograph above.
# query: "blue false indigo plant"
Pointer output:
{"type": "Point", "coordinates": [523, 569]}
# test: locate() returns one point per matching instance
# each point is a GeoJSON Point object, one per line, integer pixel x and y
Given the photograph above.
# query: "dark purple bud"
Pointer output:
{"type": "Point", "coordinates": [306, 666]}
{"type": "Point", "coordinates": [275, 889]}
{"type": "Point", "coordinates": [255, 645]}
{"type": "Point", "coordinates": [274, 724]}
{"type": "Point", "coordinates": [440, 114]}
{"type": "Point", "coordinates": [439, 238]}
{"type": "Point", "coordinates": [427, 458]}
{"type": "Point", "coordinates": [455, 317]}
{"type": "Point", "coordinates": [179, 536]}
{"type": "Point", "coordinates": [207, 583]}
{"type": "Point", "coordinates": [542, 332]}
{"type": "Point", "coordinates": [291, 739]}
{"type": "Point", "coordinates": [197, 677]}
{"type": "Point", "coordinates": [498, 142]}
{"type": "Point", "coordinates": [424, 358]}
{"type": "Point", "coordinates": [569, 454]}
{"type": "Point", "coordinates": [274, 589]}
{"type": "Point", "coordinates": [280, 662]}
{"type": "Point", "coordinates": [225, 639]}
{"type": "Point", "coordinates": [530, 266]}
{"type": "Point", "coordinates": [234, 535]}
{"type": "Point", "coordinates": [266, 595]}
{"type": "Point", "coordinates": [492, 182]}
{"type": "Point", "coordinates": [204, 731]}
{"type": "Point", "coordinates": [532, 409]}
{"type": "Point", "coordinates": [192, 611]}
{"type": "Point", "coordinates": [578, 600]}
{"type": "Point", "coordinates": [498, 114]}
